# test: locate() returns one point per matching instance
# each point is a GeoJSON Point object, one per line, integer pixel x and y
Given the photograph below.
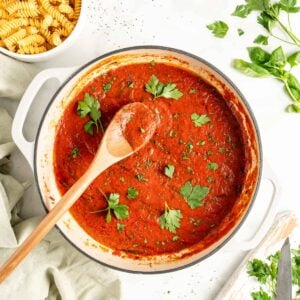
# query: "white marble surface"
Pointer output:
{"type": "Point", "coordinates": [114, 24]}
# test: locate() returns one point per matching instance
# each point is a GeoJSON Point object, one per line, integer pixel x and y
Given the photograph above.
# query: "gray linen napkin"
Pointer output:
{"type": "Point", "coordinates": [54, 270]}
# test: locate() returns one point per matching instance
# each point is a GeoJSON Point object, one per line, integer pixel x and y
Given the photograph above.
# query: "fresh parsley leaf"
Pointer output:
{"type": "Point", "coordinates": [261, 39]}
{"type": "Point", "coordinates": [258, 4]}
{"type": "Point", "coordinates": [293, 87]}
{"type": "Point", "coordinates": [242, 11]}
{"type": "Point", "coordinates": [170, 219]}
{"type": "Point", "coordinates": [240, 31]}
{"type": "Point", "coordinates": [260, 295]}
{"type": "Point", "coordinates": [218, 28]}
{"type": "Point", "coordinates": [294, 59]}
{"type": "Point", "coordinates": [258, 55]}
{"type": "Point", "coordinates": [165, 90]}
{"type": "Point", "coordinates": [120, 227]}
{"type": "Point", "coordinates": [194, 195]}
{"type": "Point", "coordinates": [258, 269]}
{"type": "Point", "coordinates": [199, 120]}
{"type": "Point", "coordinates": [169, 170]}
{"type": "Point", "coordinates": [132, 193]}
{"type": "Point", "coordinates": [266, 21]}
{"type": "Point", "coordinates": [277, 59]}
{"type": "Point", "coordinates": [120, 210]}
{"type": "Point", "coordinates": [90, 106]}
{"type": "Point", "coordinates": [212, 166]}
{"type": "Point", "coordinates": [250, 69]}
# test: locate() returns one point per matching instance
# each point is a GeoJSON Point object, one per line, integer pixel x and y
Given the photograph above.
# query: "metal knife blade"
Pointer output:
{"type": "Point", "coordinates": [284, 274]}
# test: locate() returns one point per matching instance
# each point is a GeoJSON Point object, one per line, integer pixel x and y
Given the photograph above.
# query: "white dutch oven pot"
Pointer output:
{"type": "Point", "coordinates": [40, 155]}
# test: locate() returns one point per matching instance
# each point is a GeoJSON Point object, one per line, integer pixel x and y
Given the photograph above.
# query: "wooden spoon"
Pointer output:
{"type": "Point", "coordinates": [130, 129]}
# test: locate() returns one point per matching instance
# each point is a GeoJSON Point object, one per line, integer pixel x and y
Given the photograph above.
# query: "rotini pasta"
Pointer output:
{"type": "Point", "coordinates": [32, 49]}
{"type": "Point", "coordinates": [33, 39]}
{"type": "Point", "coordinates": [12, 40]}
{"type": "Point", "coordinates": [35, 26]}
{"type": "Point", "coordinates": [21, 5]}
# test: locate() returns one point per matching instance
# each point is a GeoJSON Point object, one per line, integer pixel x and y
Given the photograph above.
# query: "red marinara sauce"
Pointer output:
{"type": "Point", "coordinates": [210, 155]}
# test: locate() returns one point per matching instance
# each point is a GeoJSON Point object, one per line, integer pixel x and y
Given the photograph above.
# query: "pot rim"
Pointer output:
{"type": "Point", "coordinates": [240, 95]}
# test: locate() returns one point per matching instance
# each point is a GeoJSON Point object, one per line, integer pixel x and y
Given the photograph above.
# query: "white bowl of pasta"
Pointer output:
{"type": "Point", "coordinates": [37, 30]}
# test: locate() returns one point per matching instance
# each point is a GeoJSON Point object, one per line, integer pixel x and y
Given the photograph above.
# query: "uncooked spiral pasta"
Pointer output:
{"type": "Point", "coordinates": [33, 39]}
{"type": "Point", "coordinates": [12, 40]}
{"type": "Point", "coordinates": [32, 49]}
{"type": "Point", "coordinates": [35, 26]}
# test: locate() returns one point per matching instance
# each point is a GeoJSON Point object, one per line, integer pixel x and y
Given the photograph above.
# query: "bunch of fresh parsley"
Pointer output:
{"type": "Point", "coordinates": [263, 63]}
{"type": "Point", "coordinates": [266, 274]}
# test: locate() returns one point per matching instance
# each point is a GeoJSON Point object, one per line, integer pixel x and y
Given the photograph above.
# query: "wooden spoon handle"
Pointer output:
{"type": "Point", "coordinates": [47, 223]}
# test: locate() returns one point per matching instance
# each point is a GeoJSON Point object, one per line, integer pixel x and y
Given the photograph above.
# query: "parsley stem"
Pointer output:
{"type": "Point", "coordinates": [100, 123]}
{"type": "Point", "coordinates": [278, 38]}
{"type": "Point", "coordinates": [289, 33]}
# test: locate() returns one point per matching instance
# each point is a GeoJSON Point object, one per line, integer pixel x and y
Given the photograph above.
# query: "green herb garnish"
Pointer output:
{"type": "Point", "coordinates": [218, 28]}
{"type": "Point", "coordinates": [199, 120]}
{"type": "Point", "coordinates": [120, 227]}
{"type": "Point", "coordinates": [120, 210]}
{"type": "Point", "coordinates": [270, 16]}
{"type": "Point", "coordinates": [165, 90]}
{"type": "Point", "coordinates": [132, 193]}
{"type": "Point", "coordinates": [212, 166]}
{"type": "Point", "coordinates": [90, 106]}
{"type": "Point", "coordinates": [265, 64]}
{"type": "Point", "coordinates": [261, 39]}
{"type": "Point", "coordinates": [192, 91]}
{"type": "Point", "coordinates": [170, 219]}
{"type": "Point", "coordinates": [194, 194]}
{"type": "Point", "coordinates": [75, 152]}
{"type": "Point", "coordinates": [141, 177]}
{"type": "Point", "coordinates": [169, 170]}
{"type": "Point", "coordinates": [240, 31]}
{"type": "Point", "coordinates": [265, 271]}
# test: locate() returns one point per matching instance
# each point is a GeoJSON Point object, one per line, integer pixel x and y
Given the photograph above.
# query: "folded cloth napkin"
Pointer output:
{"type": "Point", "coordinates": [54, 269]}
{"type": "Point", "coordinates": [15, 77]}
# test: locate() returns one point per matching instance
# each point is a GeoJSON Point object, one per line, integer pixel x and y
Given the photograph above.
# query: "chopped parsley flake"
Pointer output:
{"type": "Point", "coordinates": [132, 193]}
{"type": "Point", "coordinates": [169, 170]}
{"type": "Point", "coordinates": [212, 166]}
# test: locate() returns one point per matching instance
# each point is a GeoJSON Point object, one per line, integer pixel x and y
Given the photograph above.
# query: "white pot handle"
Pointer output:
{"type": "Point", "coordinates": [267, 219]}
{"type": "Point", "coordinates": [26, 147]}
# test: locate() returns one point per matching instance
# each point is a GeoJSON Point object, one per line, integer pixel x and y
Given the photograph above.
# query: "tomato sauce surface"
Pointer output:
{"type": "Point", "coordinates": [210, 155]}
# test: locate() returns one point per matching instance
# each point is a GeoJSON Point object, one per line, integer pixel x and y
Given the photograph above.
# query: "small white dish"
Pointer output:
{"type": "Point", "coordinates": [66, 44]}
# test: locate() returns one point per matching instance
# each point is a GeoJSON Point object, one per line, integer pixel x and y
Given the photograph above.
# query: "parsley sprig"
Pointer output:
{"type": "Point", "coordinates": [194, 194]}
{"type": "Point", "coordinates": [160, 89]}
{"type": "Point", "coordinates": [266, 274]}
{"type": "Point", "coordinates": [120, 210]}
{"type": "Point", "coordinates": [170, 219]}
{"type": "Point", "coordinates": [90, 106]}
{"type": "Point", "coordinates": [270, 16]}
{"type": "Point", "coordinates": [265, 64]}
